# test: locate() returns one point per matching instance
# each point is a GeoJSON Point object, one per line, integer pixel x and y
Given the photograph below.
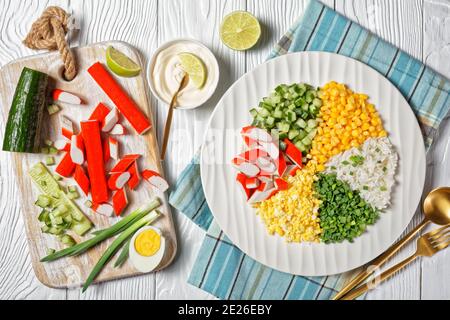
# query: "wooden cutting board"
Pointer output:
{"type": "Point", "coordinates": [71, 272]}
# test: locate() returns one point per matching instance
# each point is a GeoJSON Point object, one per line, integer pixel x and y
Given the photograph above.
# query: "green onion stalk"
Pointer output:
{"type": "Point", "coordinates": [104, 234]}
{"type": "Point", "coordinates": [117, 243]}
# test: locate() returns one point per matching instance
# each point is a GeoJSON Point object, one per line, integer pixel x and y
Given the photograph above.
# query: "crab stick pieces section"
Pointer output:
{"type": "Point", "coordinates": [155, 180]}
{"type": "Point", "coordinates": [110, 120]}
{"type": "Point", "coordinates": [100, 112]}
{"type": "Point", "coordinates": [118, 180]}
{"type": "Point", "coordinates": [123, 164]}
{"type": "Point", "coordinates": [77, 149]}
{"type": "Point", "coordinates": [105, 209]}
{"type": "Point", "coordinates": [67, 97]}
{"type": "Point", "coordinates": [293, 153]}
{"type": "Point", "coordinates": [241, 178]}
{"type": "Point", "coordinates": [113, 146]}
{"type": "Point", "coordinates": [62, 145]}
{"type": "Point", "coordinates": [135, 177]}
{"type": "Point", "coordinates": [121, 99]}
{"type": "Point", "coordinates": [66, 127]}
{"type": "Point", "coordinates": [66, 166]}
{"type": "Point", "coordinates": [118, 130]}
{"type": "Point", "coordinates": [81, 179]}
{"type": "Point", "coordinates": [94, 154]}
{"type": "Point", "coordinates": [120, 201]}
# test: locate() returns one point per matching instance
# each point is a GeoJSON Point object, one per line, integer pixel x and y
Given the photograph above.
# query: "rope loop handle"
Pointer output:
{"type": "Point", "coordinates": [49, 32]}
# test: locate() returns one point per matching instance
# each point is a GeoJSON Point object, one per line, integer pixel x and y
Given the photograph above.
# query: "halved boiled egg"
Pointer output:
{"type": "Point", "coordinates": [147, 248]}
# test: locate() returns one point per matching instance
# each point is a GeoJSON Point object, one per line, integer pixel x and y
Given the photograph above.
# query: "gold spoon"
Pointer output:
{"type": "Point", "coordinates": [183, 83]}
{"type": "Point", "coordinates": [436, 209]}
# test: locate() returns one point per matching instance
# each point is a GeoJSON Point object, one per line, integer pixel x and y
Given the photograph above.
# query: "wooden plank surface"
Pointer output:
{"type": "Point", "coordinates": [71, 272]}
{"type": "Point", "coordinates": [421, 27]}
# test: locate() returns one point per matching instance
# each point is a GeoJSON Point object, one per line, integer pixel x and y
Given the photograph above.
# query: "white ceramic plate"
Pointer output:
{"type": "Point", "coordinates": [239, 221]}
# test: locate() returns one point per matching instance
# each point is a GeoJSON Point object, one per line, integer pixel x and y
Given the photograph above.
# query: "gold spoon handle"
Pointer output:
{"type": "Point", "coordinates": [384, 276]}
{"type": "Point", "coordinates": [379, 261]}
{"type": "Point", "coordinates": [167, 127]}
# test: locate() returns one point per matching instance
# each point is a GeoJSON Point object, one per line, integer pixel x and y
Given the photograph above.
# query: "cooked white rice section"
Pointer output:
{"type": "Point", "coordinates": [369, 168]}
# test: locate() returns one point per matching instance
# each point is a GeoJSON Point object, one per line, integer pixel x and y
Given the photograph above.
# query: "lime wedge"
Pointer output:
{"type": "Point", "coordinates": [194, 67]}
{"type": "Point", "coordinates": [120, 64]}
{"type": "Point", "coordinates": [240, 30]}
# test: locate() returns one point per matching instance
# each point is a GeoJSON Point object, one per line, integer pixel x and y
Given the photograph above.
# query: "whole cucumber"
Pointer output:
{"type": "Point", "coordinates": [22, 133]}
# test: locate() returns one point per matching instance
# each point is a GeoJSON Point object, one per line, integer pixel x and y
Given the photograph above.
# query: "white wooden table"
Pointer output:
{"type": "Point", "coordinates": [420, 27]}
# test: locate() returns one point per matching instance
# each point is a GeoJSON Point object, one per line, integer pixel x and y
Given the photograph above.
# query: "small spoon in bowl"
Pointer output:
{"type": "Point", "coordinates": [436, 208]}
{"type": "Point", "coordinates": [183, 83]}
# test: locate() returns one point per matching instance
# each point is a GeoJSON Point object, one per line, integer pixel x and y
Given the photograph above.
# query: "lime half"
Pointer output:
{"type": "Point", "coordinates": [194, 67]}
{"type": "Point", "coordinates": [240, 30]}
{"type": "Point", "coordinates": [120, 64]}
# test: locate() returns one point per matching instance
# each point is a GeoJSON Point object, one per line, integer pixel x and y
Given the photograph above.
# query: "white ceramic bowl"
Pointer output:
{"type": "Point", "coordinates": [213, 69]}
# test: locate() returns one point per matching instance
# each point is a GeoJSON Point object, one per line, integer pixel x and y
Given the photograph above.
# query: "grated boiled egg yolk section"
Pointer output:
{"type": "Point", "coordinates": [293, 213]}
{"type": "Point", "coordinates": [347, 120]}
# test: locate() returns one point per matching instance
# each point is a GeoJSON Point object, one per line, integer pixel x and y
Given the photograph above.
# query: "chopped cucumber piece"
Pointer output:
{"type": "Point", "coordinates": [292, 134]}
{"type": "Point", "coordinates": [45, 228]}
{"type": "Point", "coordinates": [53, 108]}
{"type": "Point", "coordinates": [68, 240]}
{"type": "Point", "coordinates": [50, 161]}
{"type": "Point", "coordinates": [43, 201]}
{"type": "Point", "coordinates": [253, 112]}
{"type": "Point", "coordinates": [43, 216]}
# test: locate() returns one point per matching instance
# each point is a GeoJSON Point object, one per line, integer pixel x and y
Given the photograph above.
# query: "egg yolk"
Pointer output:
{"type": "Point", "coordinates": [147, 243]}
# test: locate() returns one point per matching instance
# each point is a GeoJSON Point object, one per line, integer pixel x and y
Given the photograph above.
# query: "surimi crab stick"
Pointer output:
{"type": "Point", "coordinates": [81, 179]}
{"type": "Point", "coordinates": [135, 177]}
{"type": "Point", "coordinates": [118, 130]}
{"type": "Point", "coordinates": [100, 112]}
{"type": "Point", "coordinates": [94, 154]}
{"type": "Point", "coordinates": [155, 180]}
{"type": "Point", "coordinates": [252, 183]}
{"type": "Point", "coordinates": [123, 164]}
{"type": "Point", "coordinates": [62, 145]}
{"type": "Point", "coordinates": [113, 148]}
{"type": "Point", "coordinates": [106, 151]}
{"type": "Point", "coordinates": [120, 201]}
{"type": "Point", "coordinates": [118, 180]}
{"type": "Point", "coordinates": [257, 134]}
{"type": "Point", "coordinates": [66, 127]}
{"type": "Point", "coordinates": [110, 120]}
{"type": "Point", "coordinates": [118, 96]}
{"type": "Point", "coordinates": [104, 209]}
{"type": "Point", "coordinates": [241, 178]}
{"type": "Point", "coordinates": [77, 149]}
{"type": "Point", "coordinates": [249, 169]}
{"type": "Point", "coordinates": [293, 153]}
{"type": "Point", "coordinates": [67, 97]}
{"type": "Point", "coordinates": [66, 166]}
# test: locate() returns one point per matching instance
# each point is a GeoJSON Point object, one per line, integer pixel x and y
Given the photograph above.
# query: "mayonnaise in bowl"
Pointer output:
{"type": "Point", "coordinates": [165, 73]}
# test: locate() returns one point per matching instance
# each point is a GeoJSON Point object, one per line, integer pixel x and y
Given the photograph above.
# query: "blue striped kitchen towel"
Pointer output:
{"type": "Point", "coordinates": [221, 268]}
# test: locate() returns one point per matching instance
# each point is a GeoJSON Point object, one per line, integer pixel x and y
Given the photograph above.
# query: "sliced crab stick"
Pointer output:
{"type": "Point", "coordinates": [249, 169]}
{"type": "Point", "coordinates": [106, 151]}
{"type": "Point", "coordinates": [66, 166]}
{"type": "Point", "coordinates": [67, 97]}
{"type": "Point", "coordinates": [121, 99]}
{"type": "Point", "coordinates": [241, 178]}
{"type": "Point", "coordinates": [105, 209]}
{"type": "Point", "coordinates": [123, 164]}
{"type": "Point", "coordinates": [81, 179]}
{"type": "Point", "coordinates": [77, 149]}
{"type": "Point", "coordinates": [293, 153]}
{"type": "Point", "coordinates": [118, 180]}
{"type": "Point", "coordinates": [257, 134]}
{"type": "Point", "coordinates": [266, 165]}
{"type": "Point", "coordinates": [249, 142]}
{"type": "Point", "coordinates": [110, 120]}
{"type": "Point", "coordinates": [113, 148]}
{"type": "Point", "coordinates": [271, 148]}
{"type": "Point", "coordinates": [292, 170]}
{"type": "Point", "coordinates": [62, 145]}
{"type": "Point", "coordinates": [119, 201]}
{"type": "Point", "coordinates": [155, 180]}
{"type": "Point", "coordinates": [252, 183]}
{"type": "Point", "coordinates": [66, 127]}
{"type": "Point", "coordinates": [259, 196]}
{"type": "Point", "coordinates": [118, 130]}
{"type": "Point", "coordinates": [94, 154]}
{"type": "Point", "coordinates": [100, 112]}
{"type": "Point", "coordinates": [281, 184]}
{"type": "Point", "coordinates": [253, 154]}
{"type": "Point", "coordinates": [135, 177]}
{"type": "Point", "coordinates": [280, 163]}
